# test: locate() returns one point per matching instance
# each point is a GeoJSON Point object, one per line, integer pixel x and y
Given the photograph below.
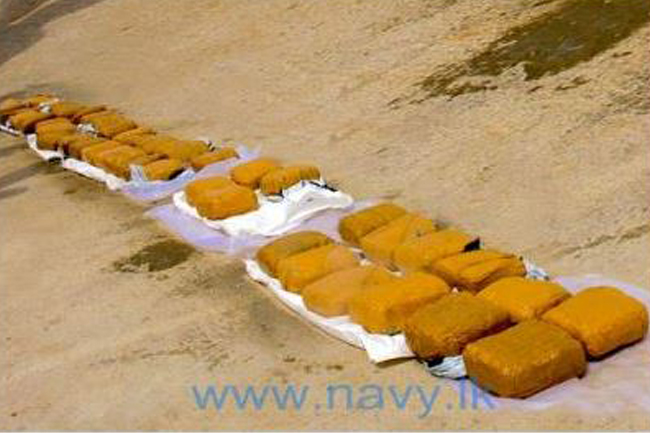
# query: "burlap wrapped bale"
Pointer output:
{"type": "Point", "coordinates": [480, 275]}
{"type": "Point", "coordinates": [118, 160]}
{"type": "Point", "coordinates": [25, 121]}
{"type": "Point", "coordinates": [251, 173]}
{"type": "Point", "coordinates": [201, 161]}
{"type": "Point", "coordinates": [278, 180]}
{"type": "Point", "coordinates": [444, 327]}
{"type": "Point", "coordinates": [197, 189]}
{"type": "Point", "coordinates": [227, 202]}
{"type": "Point", "coordinates": [419, 253]}
{"type": "Point", "coordinates": [66, 108]}
{"type": "Point", "coordinates": [111, 125]}
{"type": "Point", "coordinates": [76, 146]}
{"type": "Point", "coordinates": [523, 298]}
{"type": "Point", "coordinates": [524, 359]}
{"type": "Point", "coordinates": [385, 308]}
{"type": "Point", "coordinates": [128, 137]}
{"type": "Point", "coordinates": [330, 296]}
{"type": "Point", "coordinates": [380, 244]}
{"type": "Point", "coordinates": [602, 318]}
{"type": "Point", "coordinates": [163, 169]}
{"type": "Point", "coordinates": [299, 270]}
{"type": "Point", "coordinates": [90, 154]}
{"type": "Point", "coordinates": [270, 255]}
{"type": "Point", "coordinates": [359, 224]}
{"type": "Point", "coordinates": [79, 115]}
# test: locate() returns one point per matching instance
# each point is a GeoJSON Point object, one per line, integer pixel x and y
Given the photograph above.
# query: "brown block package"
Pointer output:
{"type": "Point", "coordinates": [449, 268]}
{"type": "Point", "coordinates": [90, 154]}
{"type": "Point", "coordinates": [419, 253]}
{"type": "Point", "coordinates": [50, 131]}
{"type": "Point", "coordinates": [445, 327]}
{"type": "Point", "coordinates": [11, 106]}
{"type": "Point", "coordinates": [478, 276]}
{"type": "Point", "coordinates": [184, 150]}
{"type": "Point", "coordinates": [40, 98]}
{"type": "Point", "coordinates": [201, 161]}
{"type": "Point", "coordinates": [197, 189]}
{"type": "Point", "coordinates": [355, 226]}
{"type": "Point", "coordinates": [298, 270]}
{"type": "Point", "coordinates": [163, 169]}
{"type": "Point", "coordinates": [227, 202]}
{"type": "Point", "coordinates": [112, 124]}
{"type": "Point", "coordinates": [380, 244]}
{"type": "Point", "coordinates": [330, 296]}
{"type": "Point", "coordinates": [251, 173]}
{"type": "Point", "coordinates": [385, 308]}
{"type": "Point", "coordinates": [26, 121]}
{"type": "Point", "coordinates": [524, 359]}
{"type": "Point", "coordinates": [270, 255]}
{"type": "Point", "coordinates": [524, 299]}
{"type": "Point", "coordinates": [602, 318]}
{"type": "Point", "coordinates": [285, 177]}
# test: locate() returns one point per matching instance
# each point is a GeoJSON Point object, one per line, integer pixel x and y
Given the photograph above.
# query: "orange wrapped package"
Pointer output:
{"type": "Point", "coordinates": [476, 277]}
{"type": "Point", "coordinates": [270, 255]}
{"type": "Point", "coordinates": [163, 169]}
{"type": "Point", "coordinates": [419, 253]}
{"type": "Point", "coordinates": [76, 145]}
{"type": "Point", "coordinates": [197, 189]}
{"type": "Point", "coordinates": [111, 124]}
{"type": "Point", "coordinates": [11, 106]}
{"type": "Point", "coordinates": [524, 359]}
{"type": "Point", "coordinates": [91, 153]}
{"type": "Point", "coordinates": [379, 245]}
{"type": "Point", "coordinates": [251, 173]}
{"type": "Point", "coordinates": [355, 226]}
{"type": "Point", "coordinates": [298, 270]}
{"type": "Point", "coordinates": [201, 161]}
{"type": "Point", "coordinates": [66, 108]}
{"type": "Point", "coordinates": [227, 202]}
{"type": "Point", "coordinates": [445, 327]}
{"type": "Point", "coordinates": [152, 143]}
{"type": "Point", "coordinates": [602, 318]}
{"type": "Point", "coordinates": [449, 268]}
{"type": "Point", "coordinates": [131, 137]}
{"type": "Point", "coordinates": [50, 131]}
{"type": "Point", "coordinates": [278, 180]}
{"type": "Point", "coordinates": [523, 298]}
{"type": "Point", "coordinates": [118, 160]}
{"type": "Point", "coordinates": [184, 150]}
{"type": "Point", "coordinates": [40, 98]}
{"type": "Point", "coordinates": [25, 121]}
{"type": "Point", "coordinates": [79, 116]}
{"type": "Point", "coordinates": [330, 296]}
{"type": "Point", "coordinates": [385, 308]}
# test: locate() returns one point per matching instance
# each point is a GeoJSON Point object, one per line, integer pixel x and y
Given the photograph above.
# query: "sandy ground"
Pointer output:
{"type": "Point", "coordinates": [414, 101]}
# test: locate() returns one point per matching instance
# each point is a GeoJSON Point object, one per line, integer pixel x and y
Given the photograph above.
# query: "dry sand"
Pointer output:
{"type": "Point", "coordinates": [417, 101]}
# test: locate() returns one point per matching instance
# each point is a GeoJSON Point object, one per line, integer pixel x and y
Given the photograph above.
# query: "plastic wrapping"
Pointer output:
{"type": "Point", "coordinates": [602, 318]}
{"type": "Point", "coordinates": [355, 226]}
{"type": "Point", "coordinates": [379, 348]}
{"type": "Point", "coordinates": [275, 216]}
{"type": "Point", "coordinates": [443, 328]}
{"type": "Point", "coordinates": [523, 298]}
{"type": "Point", "coordinates": [385, 308]}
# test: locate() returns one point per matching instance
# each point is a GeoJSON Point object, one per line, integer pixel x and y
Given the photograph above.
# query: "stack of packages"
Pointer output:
{"type": "Point", "coordinates": [104, 144]}
{"type": "Point", "coordinates": [389, 280]}
{"type": "Point", "coordinates": [448, 296]}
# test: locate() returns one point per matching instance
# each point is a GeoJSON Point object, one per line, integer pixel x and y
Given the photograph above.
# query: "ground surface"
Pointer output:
{"type": "Point", "coordinates": [489, 116]}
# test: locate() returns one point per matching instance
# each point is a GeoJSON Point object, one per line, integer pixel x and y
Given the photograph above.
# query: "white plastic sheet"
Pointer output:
{"type": "Point", "coordinates": [274, 216]}
{"type": "Point", "coordinates": [379, 347]}
{"type": "Point", "coordinates": [113, 183]}
{"type": "Point", "coordinates": [47, 155]}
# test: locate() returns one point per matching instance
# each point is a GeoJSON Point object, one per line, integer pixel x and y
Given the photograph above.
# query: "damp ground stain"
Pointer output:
{"type": "Point", "coordinates": [156, 257]}
{"type": "Point", "coordinates": [574, 33]}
